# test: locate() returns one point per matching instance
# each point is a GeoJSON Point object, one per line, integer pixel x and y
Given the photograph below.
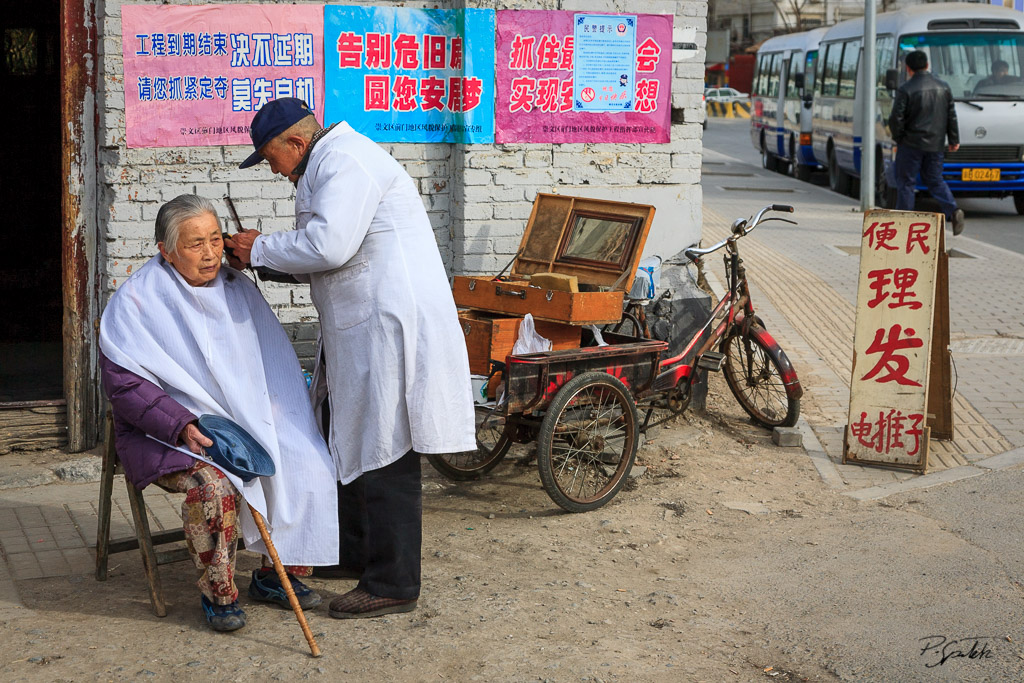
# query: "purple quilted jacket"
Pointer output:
{"type": "Point", "coordinates": [141, 407]}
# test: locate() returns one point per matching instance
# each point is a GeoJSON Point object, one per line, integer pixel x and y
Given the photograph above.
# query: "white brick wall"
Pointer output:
{"type": "Point", "coordinates": [478, 197]}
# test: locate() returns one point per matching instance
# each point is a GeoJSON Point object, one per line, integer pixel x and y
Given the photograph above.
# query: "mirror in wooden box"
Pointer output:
{"type": "Point", "coordinates": [570, 243]}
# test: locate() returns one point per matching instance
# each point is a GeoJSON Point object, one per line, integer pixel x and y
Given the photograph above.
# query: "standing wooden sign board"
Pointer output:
{"type": "Point", "coordinates": [900, 390]}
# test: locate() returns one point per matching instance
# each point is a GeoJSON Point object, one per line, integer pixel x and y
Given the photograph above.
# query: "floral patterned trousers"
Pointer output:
{"type": "Point", "coordinates": [210, 517]}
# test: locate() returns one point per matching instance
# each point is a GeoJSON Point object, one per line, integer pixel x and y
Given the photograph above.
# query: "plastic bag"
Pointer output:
{"type": "Point", "coordinates": [529, 341]}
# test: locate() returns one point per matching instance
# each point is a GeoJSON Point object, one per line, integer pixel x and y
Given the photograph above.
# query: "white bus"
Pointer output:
{"type": "Point", "coordinates": [963, 43]}
{"type": "Point", "coordinates": [781, 96]}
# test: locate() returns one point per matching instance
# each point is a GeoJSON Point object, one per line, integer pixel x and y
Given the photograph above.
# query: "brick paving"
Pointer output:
{"type": "Point", "coordinates": [808, 279]}
{"type": "Point", "coordinates": [51, 531]}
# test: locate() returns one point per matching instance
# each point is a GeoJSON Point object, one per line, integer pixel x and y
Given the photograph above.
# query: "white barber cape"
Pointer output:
{"type": "Point", "coordinates": [395, 356]}
{"type": "Point", "coordinates": [219, 349]}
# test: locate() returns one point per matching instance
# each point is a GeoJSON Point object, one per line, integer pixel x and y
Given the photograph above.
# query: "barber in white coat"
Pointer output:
{"type": "Point", "coordinates": [397, 372]}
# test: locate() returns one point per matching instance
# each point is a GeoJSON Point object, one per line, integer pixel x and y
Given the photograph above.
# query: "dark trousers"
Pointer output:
{"type": "Point", "coordinates": [910, 162]}
{"type": "Point", "coordinates": [380, 522]}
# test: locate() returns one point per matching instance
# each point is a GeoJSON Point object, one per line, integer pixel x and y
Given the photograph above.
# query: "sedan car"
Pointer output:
{"type": "Point", "coordinates": [725, 95]}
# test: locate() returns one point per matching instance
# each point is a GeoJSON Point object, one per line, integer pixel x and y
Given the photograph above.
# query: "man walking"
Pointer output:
{"type": "Point", "coordinates": [923, 119]}
{"type": "Point", "coordinates": [392, 366]}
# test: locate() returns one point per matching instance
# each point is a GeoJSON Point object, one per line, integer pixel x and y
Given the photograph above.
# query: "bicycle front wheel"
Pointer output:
{"type": "Point", "coordinates": [754, 377]}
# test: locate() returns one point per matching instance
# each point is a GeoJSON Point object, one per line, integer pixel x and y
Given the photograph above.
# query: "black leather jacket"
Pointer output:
{"type": "Point", "coordinates": [923, 114]}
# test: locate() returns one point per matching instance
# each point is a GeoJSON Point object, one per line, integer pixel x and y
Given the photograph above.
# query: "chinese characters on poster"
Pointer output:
{"type": "Point", "coordinates": [407, 75]}
{"type": "Point", "coordinates": [195, 76]}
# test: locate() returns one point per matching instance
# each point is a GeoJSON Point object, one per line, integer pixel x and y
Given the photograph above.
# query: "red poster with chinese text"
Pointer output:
{"type": "Point", "coordinates": [534, 82]}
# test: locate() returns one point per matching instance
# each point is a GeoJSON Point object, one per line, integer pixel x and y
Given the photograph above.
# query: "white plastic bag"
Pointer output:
{"type": "Point", "coordinates": [529, 341]}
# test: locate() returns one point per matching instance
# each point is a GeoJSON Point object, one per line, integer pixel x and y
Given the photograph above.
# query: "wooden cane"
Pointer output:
{"type": "Point", "coordinates": [285, 582]}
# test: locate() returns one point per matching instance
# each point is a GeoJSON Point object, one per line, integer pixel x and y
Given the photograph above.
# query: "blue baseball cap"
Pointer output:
{"type": "Point", "coordinates": [273, 118]}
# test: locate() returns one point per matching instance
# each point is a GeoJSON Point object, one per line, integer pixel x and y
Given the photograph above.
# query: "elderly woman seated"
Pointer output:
{"type": "Point", "coordinates": [186, 336]}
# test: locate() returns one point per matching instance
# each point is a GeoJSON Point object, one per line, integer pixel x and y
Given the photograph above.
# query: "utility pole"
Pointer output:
{"type": "Point", "coordinates": [867, 111]}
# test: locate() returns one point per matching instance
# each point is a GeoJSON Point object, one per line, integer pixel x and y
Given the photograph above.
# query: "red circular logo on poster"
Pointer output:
{"type": "Point", "coordinates": [621, 28]}
{"type": "Point", "coordinates": [587, 94]}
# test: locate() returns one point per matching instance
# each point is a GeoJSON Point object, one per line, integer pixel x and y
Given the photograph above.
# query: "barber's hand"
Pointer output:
{"type": "Point", "coordinates": [242, 246]}
{"type": "Point", "coordinates": [953, 148]}
{"type": "Point", "coordinates": [194, 439]}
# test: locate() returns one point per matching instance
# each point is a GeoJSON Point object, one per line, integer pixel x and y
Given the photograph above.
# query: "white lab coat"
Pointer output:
{"type": "Point", "coordinates": [395, 356]}
{"type": "Point", "coordinates": [219, 350]}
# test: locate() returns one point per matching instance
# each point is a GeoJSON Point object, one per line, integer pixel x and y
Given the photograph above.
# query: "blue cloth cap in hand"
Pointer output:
{"type": "Point", "coordinates": [234, 449]}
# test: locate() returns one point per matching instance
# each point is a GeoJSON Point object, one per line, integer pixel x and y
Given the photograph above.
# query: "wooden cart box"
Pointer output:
{"type": "Point", "coordinates": [597, 241]}
{"type": "Point", "coordinates": [492, 338]}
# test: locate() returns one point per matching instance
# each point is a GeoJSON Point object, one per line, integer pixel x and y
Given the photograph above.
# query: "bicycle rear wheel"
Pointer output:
{"type": "Point", "coordinates": [754, 377]}
{"type": "Point", "coordinates": [493, 439]}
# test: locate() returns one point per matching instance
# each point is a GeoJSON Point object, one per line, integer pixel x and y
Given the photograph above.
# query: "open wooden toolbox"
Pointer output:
{"type": "Point", "coordinates": [585, 253]}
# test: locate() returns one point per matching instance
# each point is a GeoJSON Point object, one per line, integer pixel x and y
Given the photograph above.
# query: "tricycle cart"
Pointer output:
{"type": "Point", "coordinates": [580, 406]}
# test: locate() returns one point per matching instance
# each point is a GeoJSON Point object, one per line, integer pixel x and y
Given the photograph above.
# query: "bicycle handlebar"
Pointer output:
{"type": "Point", "coordinates": [740, 227]}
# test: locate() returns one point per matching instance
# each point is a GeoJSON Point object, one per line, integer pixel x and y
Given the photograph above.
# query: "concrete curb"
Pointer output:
{"type": "Point", "coordinates": [990, 464]}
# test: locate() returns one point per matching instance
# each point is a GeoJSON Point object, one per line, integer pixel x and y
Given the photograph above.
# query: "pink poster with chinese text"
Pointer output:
{"type": "Point", "coordinates": [534, 82]}
{"type": "Point", "coordinates": [195, 76]}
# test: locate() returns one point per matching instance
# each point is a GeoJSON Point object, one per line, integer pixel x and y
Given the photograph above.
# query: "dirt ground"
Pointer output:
{"type": "Point", "coordinates": [660, 584]}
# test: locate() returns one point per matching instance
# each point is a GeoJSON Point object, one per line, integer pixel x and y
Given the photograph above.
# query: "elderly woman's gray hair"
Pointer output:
{"type": "Point", "coordinates": [175, 212]}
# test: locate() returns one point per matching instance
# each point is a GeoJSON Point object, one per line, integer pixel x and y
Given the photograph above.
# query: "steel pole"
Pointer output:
{"type": "Point", "coordinates": [867, 111]}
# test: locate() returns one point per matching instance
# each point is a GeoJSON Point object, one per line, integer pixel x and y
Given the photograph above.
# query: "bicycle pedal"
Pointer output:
{"type": "Point", "coordinates": [711, 360]}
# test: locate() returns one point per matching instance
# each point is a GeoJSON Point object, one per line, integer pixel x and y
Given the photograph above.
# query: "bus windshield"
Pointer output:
{"type": "Point", "coordinates": [977, 66]}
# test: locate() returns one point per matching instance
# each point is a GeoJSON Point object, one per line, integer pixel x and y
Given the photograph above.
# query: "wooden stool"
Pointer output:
{"type": "Point", "coordinates": [144, 539]}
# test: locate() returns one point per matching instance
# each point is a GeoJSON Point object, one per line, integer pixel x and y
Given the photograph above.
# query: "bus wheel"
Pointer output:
{"type": "Point", "coordinates": [885, 195]}
{"type": "Point", "coordinates": [1018, 202]}
{"type": "Point", "coordinates": [769, 162]}
{"type": "Point", "coordinates": [838, 180]}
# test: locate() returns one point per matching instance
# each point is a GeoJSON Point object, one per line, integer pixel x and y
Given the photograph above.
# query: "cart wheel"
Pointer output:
{"type": "Point", "coordinates": [755, 380]}
{"type": "Point", "coordinates": [587, 441]}
{"type": "Point", "coordinates": [493, 439]}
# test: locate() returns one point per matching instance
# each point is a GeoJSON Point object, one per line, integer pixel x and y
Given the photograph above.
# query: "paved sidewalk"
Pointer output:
{"type": "Point", "coordinates": [804, 282]}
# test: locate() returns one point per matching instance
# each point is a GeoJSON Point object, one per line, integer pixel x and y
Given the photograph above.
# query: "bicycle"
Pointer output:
{"type": "Point", "coordinates": [758, 372]}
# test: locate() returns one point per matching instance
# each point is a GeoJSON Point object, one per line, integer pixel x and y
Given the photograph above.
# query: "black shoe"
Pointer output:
{"type": "Point", "coordinates": [266, 587]}
{"type": "Point", "coordinates": [336, 571]}
{"type": "Point", "coordinates": [958, 221]}
{"type": "Point", "coordinates": [223, 617]}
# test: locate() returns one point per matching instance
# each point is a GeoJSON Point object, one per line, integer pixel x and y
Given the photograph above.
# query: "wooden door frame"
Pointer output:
{"type": "Point", "coordinates": [78, 68]}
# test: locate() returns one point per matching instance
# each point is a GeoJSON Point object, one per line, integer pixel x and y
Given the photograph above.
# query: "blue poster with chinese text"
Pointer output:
{"type": "Point", "coordinates": [409, 75]}
{"type": "Point", "coordinates": [605, 46]}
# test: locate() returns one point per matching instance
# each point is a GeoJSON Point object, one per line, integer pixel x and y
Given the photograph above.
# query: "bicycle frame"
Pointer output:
{"type": "Point", "coordinates": [737, 309]}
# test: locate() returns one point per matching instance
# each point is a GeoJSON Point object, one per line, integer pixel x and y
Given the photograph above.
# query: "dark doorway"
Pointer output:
{"type": "Point", "coordinates": [31, 310]}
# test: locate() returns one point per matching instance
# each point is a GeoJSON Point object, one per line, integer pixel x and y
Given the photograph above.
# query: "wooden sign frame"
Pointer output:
{"type": "Point", "coordinates": [934, 399]}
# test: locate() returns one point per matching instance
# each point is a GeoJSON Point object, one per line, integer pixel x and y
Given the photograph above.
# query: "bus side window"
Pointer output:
{"type": "Point", "coordinates": [848, 69]}
{"type": "Point", "coordinates": [830, 79]}
{"type": "Point", "coordinates": [884, 47]}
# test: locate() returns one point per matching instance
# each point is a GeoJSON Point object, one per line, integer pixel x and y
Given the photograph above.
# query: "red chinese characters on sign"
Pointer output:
{"type": "Point", "coordinates": [896, 283]}
{"type": "Point", "coordinates": [892, 430]}
{"type": "Point", "coordinates": [646, 95]}
{"type": "Point", "coordinates": [892, 343]}
{"type": "Point", "coordinates": [891, 361]}
{"type": "Point", "coordinates": [647, 55]}
{"type": "Point", "coordinates": [350, 51]}
{"type": "Point", "coordinates": [406, 93]}
{"type": "Point", "coordinates": [378, 50]}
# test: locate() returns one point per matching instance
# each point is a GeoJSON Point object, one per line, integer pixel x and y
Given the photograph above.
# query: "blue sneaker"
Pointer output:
{"type": "Point", "coordinates": [223, 617]}
{"type": "Point", "coordinates": [266, 587]}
